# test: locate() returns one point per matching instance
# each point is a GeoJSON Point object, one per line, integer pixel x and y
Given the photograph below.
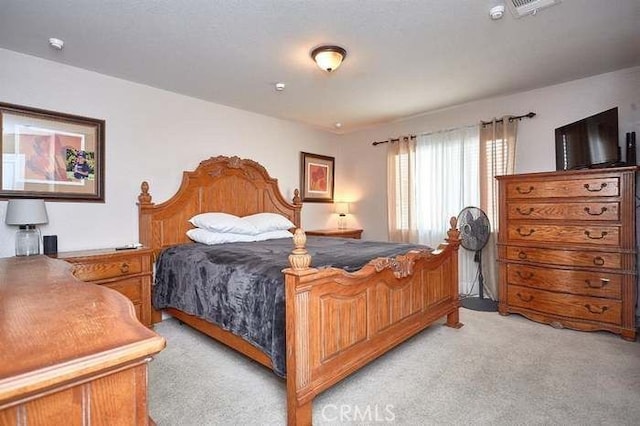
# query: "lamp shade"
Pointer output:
{"type": "Point", "coordinates": [342, 208]}
{"type": "Point", "coordinates": [26, 212]}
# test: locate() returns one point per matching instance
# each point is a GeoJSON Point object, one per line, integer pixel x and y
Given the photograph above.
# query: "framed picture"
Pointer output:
{"type": "Point", "coordinates": [51, 155]}
{"type": "Point", "coordinates": [316, 177]}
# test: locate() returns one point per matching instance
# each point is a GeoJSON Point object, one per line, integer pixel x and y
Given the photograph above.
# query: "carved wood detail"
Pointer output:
{"type": "Point", "coordinates": [303, 364]}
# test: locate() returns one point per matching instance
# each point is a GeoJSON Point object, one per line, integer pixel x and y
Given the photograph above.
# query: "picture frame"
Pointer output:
{"type": "Point", "coordinates": [316, 178]}
{"type": "Point", "coordinates": [50, 155]}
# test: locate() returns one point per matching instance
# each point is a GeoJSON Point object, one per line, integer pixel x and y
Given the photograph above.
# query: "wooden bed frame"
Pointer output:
{"type": "Point", "coordinates": [336, 322]}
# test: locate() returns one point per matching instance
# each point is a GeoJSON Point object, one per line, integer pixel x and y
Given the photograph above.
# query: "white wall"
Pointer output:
{"type": "Point", "coordinates": [363, 166]}
{"type": "Point", "coordinates": [151, 135]}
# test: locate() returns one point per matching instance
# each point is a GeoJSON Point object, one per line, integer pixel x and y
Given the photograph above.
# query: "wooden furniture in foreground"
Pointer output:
{"type": "Point", "coordinates": [335, 232]}
{"type": "Point", "coordinates": [567, 248]}
{"type": "Point", "coordinates": [336, 322]}
{"type": "Point", "coordinates": [126, 271]}
{"type": "Point", "coordinates": [72, 353]}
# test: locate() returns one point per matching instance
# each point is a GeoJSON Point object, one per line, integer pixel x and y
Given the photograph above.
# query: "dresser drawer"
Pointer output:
{"type": "Point", "coordinates": [586, 187]}
{"type": "Point", "coordinates": [590, 234]}
{"type": "Point", "coordinates": [130, 287]}
{"type": "Point", "coordinates": [102, 269]}
{"type": "Point", "coordinates": [564, 211]}
{"type": "Point", "coordinates": [566, 281]}
{"type": "Point", "coordinates": [566, 257]}
{"type": "Point", "coordinates": [566, 305]}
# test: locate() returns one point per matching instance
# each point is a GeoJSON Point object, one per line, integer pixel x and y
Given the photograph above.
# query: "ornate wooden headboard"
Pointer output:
{"type": "Point", "coordinates": [221, 184]}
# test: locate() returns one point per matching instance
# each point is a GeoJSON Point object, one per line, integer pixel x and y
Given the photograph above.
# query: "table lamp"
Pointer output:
{"type": "Point", "coordinates": [343, 210]}
{"type": "Point", "coordinates": [27, 213]}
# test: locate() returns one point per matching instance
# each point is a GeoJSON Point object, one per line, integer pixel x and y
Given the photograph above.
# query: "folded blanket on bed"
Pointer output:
{"type": "Point", "coordinates": [240, 286]}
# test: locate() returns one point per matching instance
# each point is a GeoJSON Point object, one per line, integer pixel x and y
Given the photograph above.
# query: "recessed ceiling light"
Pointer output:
{"type": "Point", "coordinates": [280, 87]}
{"type": "Point", "coordinates": [56, 43]}
{"type": "Point", "coordinates": [338, 125]}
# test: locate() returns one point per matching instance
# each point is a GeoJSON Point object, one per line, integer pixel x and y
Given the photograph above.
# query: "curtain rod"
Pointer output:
{"type": "Point", "coordinates": [517, 117]}
{"type": "Point", "coordinates": [391, 140]}
{"type": "Point", "coordinates": [483, 123]}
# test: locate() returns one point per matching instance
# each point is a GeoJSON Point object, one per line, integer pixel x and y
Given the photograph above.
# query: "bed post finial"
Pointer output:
{"type": "Point", "coordinates": [296, 196]}
{"type": "Point", "coordinates": [299, 258]}
{"type": "Point", "coordinates": [144, 197]}
{"type": "Point", "coordinates": [453, 235]}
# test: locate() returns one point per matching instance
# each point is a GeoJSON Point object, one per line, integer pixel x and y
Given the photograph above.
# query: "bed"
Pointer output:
{"type": "Point", "coordinates": [335, 321]}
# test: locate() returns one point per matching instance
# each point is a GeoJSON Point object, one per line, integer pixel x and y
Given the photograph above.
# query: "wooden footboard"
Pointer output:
{"type": "Point", "coordinates": [338, 322]}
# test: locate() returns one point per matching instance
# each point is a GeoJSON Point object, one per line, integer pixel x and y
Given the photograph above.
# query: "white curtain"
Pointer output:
{"type": "Point", "coordinates": [447, 180]}
{"type": "Point", "coordinates": [401, 187]}
{"type": "Point", "coordinates": [498, 143]}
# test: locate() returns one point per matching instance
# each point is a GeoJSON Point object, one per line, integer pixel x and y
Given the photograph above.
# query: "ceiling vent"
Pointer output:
{"type": "Point", "coordinates": [520, 8]}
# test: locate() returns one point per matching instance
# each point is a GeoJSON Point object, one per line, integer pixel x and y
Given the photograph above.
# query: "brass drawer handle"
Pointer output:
{"type": "Point", "coordinates": [602, 235]}
{"type": "Point", "coordinates": [522, 255]}
{"type": "Point", "coordinates": [525, 213]}
{"type": "Point", "coordinates": [603, 282]}
{"type": "Point", "coordinates": [595, 310]}
{"type": "Point", "coordinates": [598, 261]}
{"type": "Point", "coordinates": [588, 210]}
{"type": "Point", "coordinates": [588, 187]}
{"type": "Point", "coordinates": [528, 298]}
{"type": "Point", "coordinates": [525, 276]}
{"type": "Point", "coordinates": [526, 191]}
{"type": "Point", "coordinates": [124, 268]}
{"type": "Point", "coordinates": [531, 231]}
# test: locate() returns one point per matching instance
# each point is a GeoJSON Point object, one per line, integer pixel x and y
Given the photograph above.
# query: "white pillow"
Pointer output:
{"type": "Point", "coordinates": [272, 235]}
{"type": "Point", "coordinates": [265, 222]}
{"type": "Point", "coordinates": [204, 236]}
{"type": "Point", "coordinates": [223, 222]}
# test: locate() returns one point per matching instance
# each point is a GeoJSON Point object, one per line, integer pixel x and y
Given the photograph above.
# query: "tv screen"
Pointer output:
{"type": "Point", "coordinates": [590, 142]}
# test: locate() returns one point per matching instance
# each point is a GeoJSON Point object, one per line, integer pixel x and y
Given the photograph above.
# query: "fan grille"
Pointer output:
{"type": "Point", "coordinates": [474, 228]}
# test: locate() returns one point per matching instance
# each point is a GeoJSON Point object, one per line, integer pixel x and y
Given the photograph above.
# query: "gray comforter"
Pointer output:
{"type": "Point", "coordinates": [240, 286]}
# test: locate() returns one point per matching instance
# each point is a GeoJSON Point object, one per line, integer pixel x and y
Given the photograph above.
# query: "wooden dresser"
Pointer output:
{"type": "Point", "coordinates": [71, 353]}
{"type": "Point", "coordinates": [126, 271]}
{"type": "Point", "coordinates": [567, 248]}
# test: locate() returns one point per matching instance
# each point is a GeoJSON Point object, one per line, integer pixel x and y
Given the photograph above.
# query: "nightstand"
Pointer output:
{"type": "Point", "coordinates": [126, 271]}
{"type": "Point", "coordinates": [335, 232]}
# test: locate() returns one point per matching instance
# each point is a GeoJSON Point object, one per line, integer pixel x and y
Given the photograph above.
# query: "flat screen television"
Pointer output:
{"type": "Point", "coordinates": [590, 142]}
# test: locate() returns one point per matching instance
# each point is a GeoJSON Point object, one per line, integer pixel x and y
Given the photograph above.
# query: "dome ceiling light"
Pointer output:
{"type": "Point", "coordinates": [328, 58]}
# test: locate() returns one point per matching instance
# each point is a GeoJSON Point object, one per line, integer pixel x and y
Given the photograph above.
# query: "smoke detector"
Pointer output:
{"type": "Point", "coordinates": [520, 8]}
{"type": "Point", "coordinates": [56, 43]}
{"type": "Point", "coordinates": [496, 12]}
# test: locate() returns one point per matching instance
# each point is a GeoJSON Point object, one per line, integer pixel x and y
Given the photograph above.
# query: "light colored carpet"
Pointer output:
{"type": "Point", "coordinates": [495, 370]}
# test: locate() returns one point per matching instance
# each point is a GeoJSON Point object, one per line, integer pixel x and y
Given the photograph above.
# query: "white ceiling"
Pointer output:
{"type": "Point", "coordinates": [405, 57]}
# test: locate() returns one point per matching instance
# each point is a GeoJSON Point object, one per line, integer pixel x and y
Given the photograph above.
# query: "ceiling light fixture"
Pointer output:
{"type": "Point", "coordinates": [328, 58]}
{"type": "Point", "coordinates": [56, 43]}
